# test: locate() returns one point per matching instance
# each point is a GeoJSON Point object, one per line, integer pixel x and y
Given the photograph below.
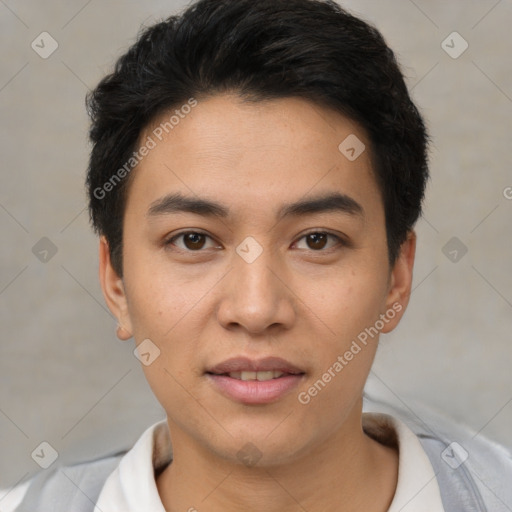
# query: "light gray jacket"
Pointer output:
{"type": "Point", "coordinates": [473, 473]}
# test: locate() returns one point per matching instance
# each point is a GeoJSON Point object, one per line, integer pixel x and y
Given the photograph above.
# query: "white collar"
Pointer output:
{"type": "Point", "coordinates": [131, 487]}
{"type": "Point", "coordinates": [417, 489]}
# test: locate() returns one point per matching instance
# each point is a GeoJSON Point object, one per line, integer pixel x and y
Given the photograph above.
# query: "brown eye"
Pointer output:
{"type": "Point", "coordinates": [317, 240]}
{"type": "Point", "coordinates": [194, 241]}
{"type": "Point", "coordinates": [191, 241]}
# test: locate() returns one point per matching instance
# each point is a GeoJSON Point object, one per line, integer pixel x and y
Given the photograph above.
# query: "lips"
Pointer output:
{"type": "Point", "coordinates": [244, 364]}
{"type": "Point", "coordinates": [252, 381]}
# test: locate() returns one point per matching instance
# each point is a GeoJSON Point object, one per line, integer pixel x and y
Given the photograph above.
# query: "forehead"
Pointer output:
{"type": "Point", "coordinates": [251, 155]}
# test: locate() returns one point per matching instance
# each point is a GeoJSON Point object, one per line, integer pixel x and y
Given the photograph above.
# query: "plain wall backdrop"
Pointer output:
{"type": "Point", "coordinates": [67, 380]}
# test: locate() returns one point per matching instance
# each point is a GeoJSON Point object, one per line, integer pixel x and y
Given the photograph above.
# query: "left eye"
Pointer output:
{"type": "Point", "coordinates": [319, 240]}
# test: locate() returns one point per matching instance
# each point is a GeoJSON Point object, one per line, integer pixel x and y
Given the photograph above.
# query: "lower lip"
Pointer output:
{"type": "Point", "coordinates": [255, 391]}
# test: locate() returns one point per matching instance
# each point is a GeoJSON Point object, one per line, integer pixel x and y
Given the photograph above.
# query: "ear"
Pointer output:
{"type": "Point", "coordinates": [400, 283]}
{"type": "Point", "coordinates": [113, 291]}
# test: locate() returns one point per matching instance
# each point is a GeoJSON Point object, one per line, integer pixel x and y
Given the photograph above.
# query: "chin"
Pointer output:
{"type": "Point", "coordinates": [264, 445]}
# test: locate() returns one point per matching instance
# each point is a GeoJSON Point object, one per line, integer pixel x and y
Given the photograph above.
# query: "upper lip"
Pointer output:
{"type": "Point", "coordinates": [239, 364]}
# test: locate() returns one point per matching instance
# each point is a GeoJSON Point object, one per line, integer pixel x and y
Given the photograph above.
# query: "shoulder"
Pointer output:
{"type": "Point", "coordinates": [470, 468]}
{"type": "Point", "coordinates": [11, 498]}
{"type": "Point", "coordinates": [76, 486]}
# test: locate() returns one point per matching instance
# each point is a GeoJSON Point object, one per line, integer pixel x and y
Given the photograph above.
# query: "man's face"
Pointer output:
{"type": "Point", "coordinates": [282, 275]}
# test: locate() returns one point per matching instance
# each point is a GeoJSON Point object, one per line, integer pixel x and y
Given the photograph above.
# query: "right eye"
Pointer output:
{"type": "Point", "coordinates": [191, 241]}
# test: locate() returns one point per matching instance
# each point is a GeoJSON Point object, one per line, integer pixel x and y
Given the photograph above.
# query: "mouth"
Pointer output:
{"type": "Point", "coordinates": [250, 381]}
{"type": "Point", "coordinates": [249, 375]}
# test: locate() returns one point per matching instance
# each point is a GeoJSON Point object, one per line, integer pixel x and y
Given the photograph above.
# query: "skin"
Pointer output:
{"type": "Point", "coordinates": [301, 301]}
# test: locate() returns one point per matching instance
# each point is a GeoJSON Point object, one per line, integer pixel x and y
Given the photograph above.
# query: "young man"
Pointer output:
{"type": "Point", "coordinates": [256, 173]}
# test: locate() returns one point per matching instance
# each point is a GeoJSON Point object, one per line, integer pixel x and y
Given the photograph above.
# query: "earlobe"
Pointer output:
{"type": "Point", "coordinates": [113, 290]}
{"type": "Point", "coordinates": [400, 282]}
{"type": "Point", "coordinates": [122, 333]}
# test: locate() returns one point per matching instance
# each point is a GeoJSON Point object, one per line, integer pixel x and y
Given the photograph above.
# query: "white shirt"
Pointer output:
{"type": "Point", "coordinates": [131, 487]}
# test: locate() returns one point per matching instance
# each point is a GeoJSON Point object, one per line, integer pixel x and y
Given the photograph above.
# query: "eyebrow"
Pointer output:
{"type": "Point", "coordinates": [178, 203]}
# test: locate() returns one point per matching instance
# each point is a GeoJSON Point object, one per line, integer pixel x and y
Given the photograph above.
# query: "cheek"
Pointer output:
{"type": "Point", "coordinates": [159, 299]}
{"type": "Point", "coordinates": [346, 302]}
{"type": "Point", "coordinates": [164, 315]}
{"type": "Point", "coordinates": [348, 310]}
{"type": "Point", "coordinates": [168, 309]}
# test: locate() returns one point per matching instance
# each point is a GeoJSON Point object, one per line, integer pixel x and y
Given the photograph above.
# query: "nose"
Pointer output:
{"type": "Point", "coordinates": [256, 297]}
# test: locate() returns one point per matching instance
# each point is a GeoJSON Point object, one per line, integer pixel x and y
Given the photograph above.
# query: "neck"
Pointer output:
{"type": "Point", "coordinates": [347, 471]}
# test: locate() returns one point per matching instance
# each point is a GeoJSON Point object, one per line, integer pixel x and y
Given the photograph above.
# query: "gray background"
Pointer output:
{"type": "Point", "coordinates": [65, 377]}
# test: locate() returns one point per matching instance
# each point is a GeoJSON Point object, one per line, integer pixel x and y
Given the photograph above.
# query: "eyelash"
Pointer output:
{"type": "Point", "coordinates": [340, 241]}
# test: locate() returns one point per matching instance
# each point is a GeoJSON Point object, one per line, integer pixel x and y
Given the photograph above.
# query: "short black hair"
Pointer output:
{"type": "Point", "coordinates": [260, 50]}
